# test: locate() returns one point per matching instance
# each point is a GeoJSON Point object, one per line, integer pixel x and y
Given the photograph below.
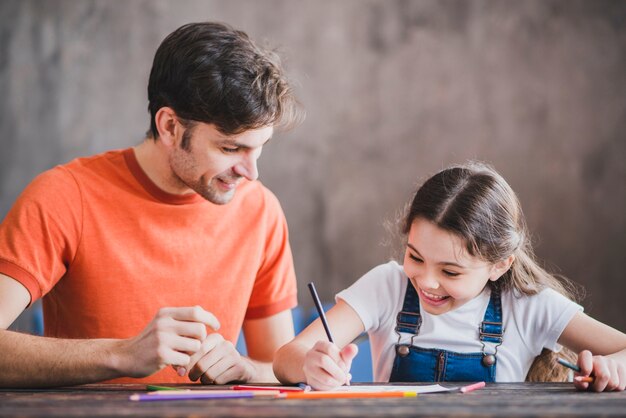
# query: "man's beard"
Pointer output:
{"type": "Point", "coordinates": [211, 192]}
{"type": "Point", "coordinates": [182, 162]}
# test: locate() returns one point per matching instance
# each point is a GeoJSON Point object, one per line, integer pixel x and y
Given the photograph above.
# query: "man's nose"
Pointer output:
{"type": "Point", "coordinates": [247, 167]}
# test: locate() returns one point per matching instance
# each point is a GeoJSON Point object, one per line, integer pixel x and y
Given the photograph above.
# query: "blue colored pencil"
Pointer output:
{"type": "Point", "coordinates": [568, 364]}
{"type": "Point", "coordinates": [588, 379]}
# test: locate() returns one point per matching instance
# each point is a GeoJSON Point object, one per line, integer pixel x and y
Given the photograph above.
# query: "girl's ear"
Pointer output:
{"type": "Point", "coordinates": [501, 267]}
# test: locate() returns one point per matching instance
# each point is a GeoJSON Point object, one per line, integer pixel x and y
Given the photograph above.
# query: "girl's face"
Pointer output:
{"type": "Point", "coordinates": [443, 273]}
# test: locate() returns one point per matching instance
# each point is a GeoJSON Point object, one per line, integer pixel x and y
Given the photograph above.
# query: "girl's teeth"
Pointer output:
{"type": "Point", "coordinates": [430, 295]}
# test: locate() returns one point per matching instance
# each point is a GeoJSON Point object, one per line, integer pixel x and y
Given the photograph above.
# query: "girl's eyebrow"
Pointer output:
{"type": "Point", "coordinates": [443, 263]}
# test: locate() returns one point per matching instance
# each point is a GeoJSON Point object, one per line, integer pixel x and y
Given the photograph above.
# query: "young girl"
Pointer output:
{"type": "Point", "coordinates": [469, 302]}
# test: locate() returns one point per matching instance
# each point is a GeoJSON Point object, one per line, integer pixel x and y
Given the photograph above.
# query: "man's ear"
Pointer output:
{"type": "Point", "coordinates": [501, 267]}
{"type": "Point", "coordinates": [167, 125]}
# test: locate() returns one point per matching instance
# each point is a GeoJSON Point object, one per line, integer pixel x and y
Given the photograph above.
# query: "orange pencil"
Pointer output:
{"type": "Point", "coordinates": [588, 379]}
{"type": "Point", "coordinates": [339, 395]}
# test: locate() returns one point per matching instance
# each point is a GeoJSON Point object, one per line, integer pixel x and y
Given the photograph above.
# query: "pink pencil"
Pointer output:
{"type": "Point", "coordinates": [472, 387]}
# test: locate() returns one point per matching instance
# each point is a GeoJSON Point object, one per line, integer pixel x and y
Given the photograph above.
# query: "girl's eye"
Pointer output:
{"type": "Point", "coordinates": [414, 258]}
{"type": "Point", "coordinates": [450, 273]}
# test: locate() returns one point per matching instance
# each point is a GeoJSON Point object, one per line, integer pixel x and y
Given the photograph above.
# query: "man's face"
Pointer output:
{"type": "Point", "coordinates": [212, 164]}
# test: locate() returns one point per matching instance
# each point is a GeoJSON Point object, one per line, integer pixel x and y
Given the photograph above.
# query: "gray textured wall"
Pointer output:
{"type": "Point", "coordinates": [394, 90]}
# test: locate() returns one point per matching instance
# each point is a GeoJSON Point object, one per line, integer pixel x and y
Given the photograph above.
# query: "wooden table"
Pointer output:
{"type": "Point", "coordinates": [495, 400]}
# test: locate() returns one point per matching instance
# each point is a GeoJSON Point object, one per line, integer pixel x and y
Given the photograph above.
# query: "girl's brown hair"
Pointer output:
{"type": "Point", "coordinates": [475, 203]}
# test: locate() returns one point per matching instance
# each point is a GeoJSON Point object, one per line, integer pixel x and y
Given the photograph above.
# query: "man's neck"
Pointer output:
{"type": "Point", "coordinates": [153, 160]}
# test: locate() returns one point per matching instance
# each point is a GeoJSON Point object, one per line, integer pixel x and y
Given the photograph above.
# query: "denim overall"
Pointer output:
{"type": "Point", "coordinates": [415, 364]}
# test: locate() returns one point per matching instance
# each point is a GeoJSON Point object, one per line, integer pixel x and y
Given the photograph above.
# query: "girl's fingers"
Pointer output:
{"type": "Point", "coordinates": [621, 375]}
{"type": "Point", "coordinates": [334, 370]}
{"type": "Point", "coordinates": [585, 362]}
{"type": "Point", "coordinates": [602, 374]}
{"type": "Point", "coordinates": [348, 353]}
{"type": "Point", "coordinates": [322, 372]}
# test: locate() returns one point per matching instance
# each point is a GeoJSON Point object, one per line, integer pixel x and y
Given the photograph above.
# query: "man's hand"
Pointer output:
{"type": "Point", "coordinates": [218, 362]}
{"type": "Point", "coordinates": [171, 338]}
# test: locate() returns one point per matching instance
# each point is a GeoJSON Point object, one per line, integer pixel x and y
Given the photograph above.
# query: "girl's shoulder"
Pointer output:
{"type": "Point", "coordinates": [384, 275]}
{"type": "Point", "coordinates": [545, 300]}
{"type": "Point", "coordinates": [377, 294]}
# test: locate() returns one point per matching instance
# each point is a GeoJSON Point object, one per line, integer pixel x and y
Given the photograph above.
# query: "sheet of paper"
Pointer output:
{"type": "Point", "coordinates": [394, 388]}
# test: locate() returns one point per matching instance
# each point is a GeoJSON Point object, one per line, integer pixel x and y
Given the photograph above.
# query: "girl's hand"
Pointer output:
{"type": "Point", "coordinates": [609, 374]}
{"type": "Point", "coordinates": [326, 367]}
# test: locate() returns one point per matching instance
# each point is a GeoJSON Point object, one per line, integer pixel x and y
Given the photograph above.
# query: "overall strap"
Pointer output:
{"type": "Point", "coordinates": [409, 319]}
{"type": "Point", "coordinates": [491, 328]}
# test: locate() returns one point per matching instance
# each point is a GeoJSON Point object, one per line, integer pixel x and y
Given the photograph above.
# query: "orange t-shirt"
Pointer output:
{"type": "Point", "coordinates": [106, 248]}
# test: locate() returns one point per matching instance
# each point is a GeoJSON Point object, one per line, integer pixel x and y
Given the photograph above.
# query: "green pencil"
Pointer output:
{"type": "Point", "coordinates": [155, 387]}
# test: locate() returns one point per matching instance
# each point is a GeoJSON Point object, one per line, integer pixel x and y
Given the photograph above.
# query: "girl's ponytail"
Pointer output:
{"type": "Point", "coordinates": [529, 278]}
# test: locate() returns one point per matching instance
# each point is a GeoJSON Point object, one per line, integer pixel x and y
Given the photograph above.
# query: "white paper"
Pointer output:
{"type": "Point", "coordinates": [388, 388]}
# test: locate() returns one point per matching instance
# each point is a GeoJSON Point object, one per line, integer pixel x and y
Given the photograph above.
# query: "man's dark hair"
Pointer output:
{"type": "Point", "coordinates": [209, 72]}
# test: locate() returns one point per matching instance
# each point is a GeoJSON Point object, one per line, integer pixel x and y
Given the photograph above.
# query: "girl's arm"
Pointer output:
{"type": "Point", "coordinates": [311, 358]}
{"type": "Point", "coordinates": [607, 364]}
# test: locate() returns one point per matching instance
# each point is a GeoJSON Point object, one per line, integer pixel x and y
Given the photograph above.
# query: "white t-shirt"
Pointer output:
{"type": "Point", "coordinates": [530, 323]}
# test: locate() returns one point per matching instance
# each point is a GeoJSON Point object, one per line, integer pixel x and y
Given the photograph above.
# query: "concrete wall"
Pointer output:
{"type": "Point", "coordinates": [394, 90]}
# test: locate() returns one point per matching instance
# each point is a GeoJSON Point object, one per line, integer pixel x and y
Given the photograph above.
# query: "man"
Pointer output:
{"type": "Point", "coordinates": [158, 255]}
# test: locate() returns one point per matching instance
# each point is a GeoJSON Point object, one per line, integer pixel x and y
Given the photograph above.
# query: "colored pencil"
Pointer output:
{"type": "Point", "coordinates": [256, 393]}
{"type": "Point", "coordinates": [339, 395]}
{"type": "Point", "coordinates": [568, 364]}
{"type": "Point", "coordinates": [169, 396]}
{"type": "Point", "coordinates": [563, 362]}
{"type": "Point", "coordinates": [469, 388]}
{"type": "Point", "coordinates": [320, 311]}
{"type": "Point", "coordinates": [272, 388]}
{"type": "Point", "coordinates": [158, 388]}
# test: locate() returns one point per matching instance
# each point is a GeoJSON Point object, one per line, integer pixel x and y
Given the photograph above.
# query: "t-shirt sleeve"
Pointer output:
{"type": "Point", "coordinates": [372, 296]}
{"type": "Point", "coordinates": [275, 288]}
{"type": "Point", "coordinates": [543, 319]}
{"type": "Point", "coordinates": [40, 234]}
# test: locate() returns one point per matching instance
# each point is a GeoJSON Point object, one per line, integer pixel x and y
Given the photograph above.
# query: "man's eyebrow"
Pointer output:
{"type": "Point", "coordinates": [444, 263]}
{"type": "Point", "coordinates": [234, 143]}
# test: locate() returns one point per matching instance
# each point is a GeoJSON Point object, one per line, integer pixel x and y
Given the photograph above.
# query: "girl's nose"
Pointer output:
{"type": "Point", "coordinates": [428, 281]}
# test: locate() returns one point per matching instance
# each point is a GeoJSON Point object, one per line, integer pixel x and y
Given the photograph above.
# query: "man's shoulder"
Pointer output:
{"type": "Point", "coordinates": [104, 160]}
{"type": "Point", "coordinates": [71, 176]}
{"type": "Point", "coordinates": [256, 194]}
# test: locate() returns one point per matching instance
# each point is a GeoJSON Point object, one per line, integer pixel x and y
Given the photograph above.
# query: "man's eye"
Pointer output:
{"type": "Point", "coordinates": [230, 150]}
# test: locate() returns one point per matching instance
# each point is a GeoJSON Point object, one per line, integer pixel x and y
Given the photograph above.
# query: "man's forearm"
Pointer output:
{"type": "Point", "coordinates": [32, 361]}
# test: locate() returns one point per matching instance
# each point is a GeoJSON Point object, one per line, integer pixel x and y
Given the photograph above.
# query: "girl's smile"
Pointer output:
{"type": "Point", "coordinates": [431, 298]}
